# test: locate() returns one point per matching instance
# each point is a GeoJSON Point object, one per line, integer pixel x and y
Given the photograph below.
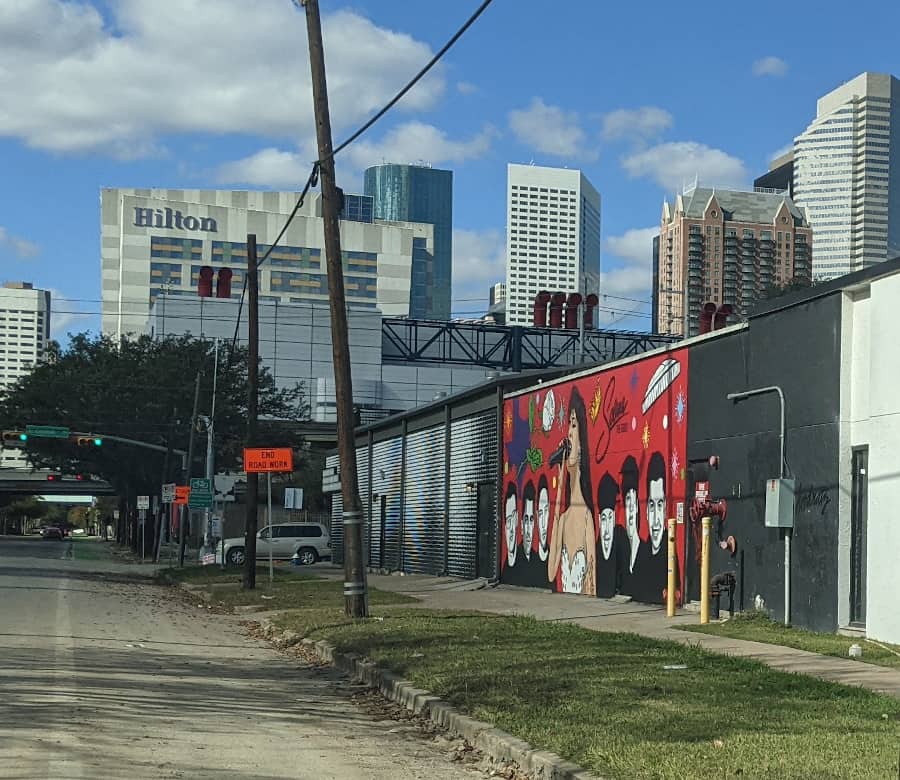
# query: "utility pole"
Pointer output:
{"type": "Point", "coordinates": [355, 590]}
{"type": "Point", "coordinates": [252, 410]}
{"type": "Point", "coordinates": [164, 508]}
{"type": "Point", "coordinates": [185, 511]}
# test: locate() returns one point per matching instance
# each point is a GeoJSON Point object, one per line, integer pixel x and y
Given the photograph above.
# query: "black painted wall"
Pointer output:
{"type": "Point", "coordinates": [799, 350]}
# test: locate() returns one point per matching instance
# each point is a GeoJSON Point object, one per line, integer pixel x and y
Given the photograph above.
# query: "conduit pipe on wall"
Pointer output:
{"type": "Point", "coordinates": [788, 532]}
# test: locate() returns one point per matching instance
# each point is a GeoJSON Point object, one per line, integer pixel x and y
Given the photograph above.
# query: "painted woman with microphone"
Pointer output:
{"type": "Point", "coordinates": [573, 547]}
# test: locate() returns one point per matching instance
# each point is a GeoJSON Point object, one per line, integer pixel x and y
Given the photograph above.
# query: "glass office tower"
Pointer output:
{"type": "Point", "coordinates": [420, 193]}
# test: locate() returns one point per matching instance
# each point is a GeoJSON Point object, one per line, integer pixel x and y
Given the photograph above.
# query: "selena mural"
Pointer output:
{"type": "Point", "coordinates": [593, 467]}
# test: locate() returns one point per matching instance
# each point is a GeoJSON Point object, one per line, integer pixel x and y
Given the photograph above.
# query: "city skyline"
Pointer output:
{"type": "Point", "coordinates": [477, 113]}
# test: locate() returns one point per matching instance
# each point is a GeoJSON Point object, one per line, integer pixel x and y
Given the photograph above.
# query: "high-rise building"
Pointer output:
{"type": "Point", "coordinates": [497, 303]}
{"type": "Point", "coordinates": [726, 247]}
{"type": "Point", "coordinates": [779, 177]}
{"type": "Point", "coordinates": [553, 236]}
{"type": "Point", "coordinates": [422, 194]}
{"type": "Point", "coordinates": [156, 241]}
{"type": "Point", "coordinates": [847, 175]}
{"type": "Point", "coordinates": [24, 335]}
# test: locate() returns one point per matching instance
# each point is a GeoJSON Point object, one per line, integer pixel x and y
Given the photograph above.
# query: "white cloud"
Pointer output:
{"type": "Point", "coordinates": [410, 142]}
{"type": "Point", "coordinates": [74, 82]}
{"type": "Point", "coordinates": [780, 152]}
{"type": "Point", "coordinates": [672, 164]}
{"type": "Point", "coordinates": [466, 87]}
{"type": "Point", "coordinates": [479, 260]}
{"type": "Point", "coordinates": [635, 245]}
{"type": "Point", "coordinates": [636, 123]}
{"type": "Point", "coordinates": [20, 247]}
{"type": "Point", "coordinates": [550, 130]}
{"type": "Point", "coordinates": [770, 66]}
{"type": "Point", "coordinates": [66, 317]}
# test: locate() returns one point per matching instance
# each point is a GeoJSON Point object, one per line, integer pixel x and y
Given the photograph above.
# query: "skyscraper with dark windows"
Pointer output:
{"type": "Point", "coordinates": [422, 194]}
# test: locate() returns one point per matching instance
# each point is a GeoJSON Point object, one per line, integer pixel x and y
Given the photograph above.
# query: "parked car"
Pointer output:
{"type": "Point", "coordinates": [310, 542]}
{"type": "Point", "coordinates": [52, 532]}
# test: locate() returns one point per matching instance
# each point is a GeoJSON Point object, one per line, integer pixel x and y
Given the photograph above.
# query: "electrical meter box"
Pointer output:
{"type": "Point", "coordinates": [780, 503]}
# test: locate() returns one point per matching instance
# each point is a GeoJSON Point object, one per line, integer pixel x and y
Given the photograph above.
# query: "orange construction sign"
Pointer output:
{"type": "Point", "coordinates": [182, 494]}
{"type": "Point", "coordinates": [262, 460]}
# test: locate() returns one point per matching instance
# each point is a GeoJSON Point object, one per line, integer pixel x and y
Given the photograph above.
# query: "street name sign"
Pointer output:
{"type": "Point", "coordinates": [47, 431]}
{"type": "Point", "coordinates": [268, 460]}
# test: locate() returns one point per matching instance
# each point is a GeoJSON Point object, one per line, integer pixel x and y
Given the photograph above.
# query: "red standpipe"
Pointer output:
{"type": "Point", "coordinates": [540, 309]}
{"type": "Point", "coordinates": [556, 309]}
{"type": "Point", "coordinates": [590, 303]}
{"type": "Point", "coordinates": [722, 315]}
{"type": "Point", "coordinates": [706, 317]}
{"type": "Point", "coordinates": [223, 283]}
{"type": "Point", "coordinates": [204, 284]}
{"type": "Point", "coordinates": [572, 304]}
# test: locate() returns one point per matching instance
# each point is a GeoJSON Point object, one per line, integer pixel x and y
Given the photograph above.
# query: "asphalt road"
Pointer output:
{"type": "Point", "coordinates": [104, 676]}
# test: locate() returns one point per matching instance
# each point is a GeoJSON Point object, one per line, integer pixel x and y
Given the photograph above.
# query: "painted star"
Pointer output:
{"type": "Point", "coordinates": [507, 421]}
{"type": "Point", "coordinates": [645, 436]}
{"type": "Point", "coordinates": [680, 406]}
{"type": "Point", "coordinates": [676, 465]}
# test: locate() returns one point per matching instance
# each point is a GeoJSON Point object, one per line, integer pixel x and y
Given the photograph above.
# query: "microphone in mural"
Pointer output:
{"type": "Point", "coordinates": [561, 452]}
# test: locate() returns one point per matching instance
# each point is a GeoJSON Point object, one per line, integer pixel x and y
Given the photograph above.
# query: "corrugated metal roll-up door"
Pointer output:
{"type": "Point", "coordinates": [362, 479]}
{"type": "Point", "coordinates": [385, 515]}
{"type": "Point", "coordinates": [423, 511]}
{"type": "Point", "coordinates": [473, 460]}
{"type": "Point", "coordinates": [337, 520]}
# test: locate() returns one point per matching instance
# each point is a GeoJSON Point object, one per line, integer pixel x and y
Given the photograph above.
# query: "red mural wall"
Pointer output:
{"type": "Point", "coordinates": [593, 467]}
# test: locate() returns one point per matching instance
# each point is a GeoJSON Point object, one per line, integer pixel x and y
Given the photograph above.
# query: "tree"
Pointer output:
{"type": "Point", "coordinates": [142, 388]}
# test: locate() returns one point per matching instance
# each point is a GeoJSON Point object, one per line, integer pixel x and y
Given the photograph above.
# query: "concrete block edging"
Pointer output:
{"type": "Point", "coordinates": [493, 742]}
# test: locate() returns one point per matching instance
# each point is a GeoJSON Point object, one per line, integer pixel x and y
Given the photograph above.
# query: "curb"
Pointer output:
{"type": "Point", "coordinates": [493, 742]}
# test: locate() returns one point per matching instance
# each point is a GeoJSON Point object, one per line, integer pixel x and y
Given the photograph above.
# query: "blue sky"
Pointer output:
{"type": "Point", "coordinates": [215, 93]}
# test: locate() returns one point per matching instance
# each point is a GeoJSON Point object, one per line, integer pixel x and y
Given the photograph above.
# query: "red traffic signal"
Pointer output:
{"type": "Point", "coordinates": [54, 477]}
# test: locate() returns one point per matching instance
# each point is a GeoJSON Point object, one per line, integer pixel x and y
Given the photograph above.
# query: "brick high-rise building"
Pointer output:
{"type": "Point", "coordinates": [722, 246]}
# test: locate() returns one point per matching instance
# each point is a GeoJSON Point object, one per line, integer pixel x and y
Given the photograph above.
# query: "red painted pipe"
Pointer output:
{"type": "Point", "coordinates": [706, 317]}
{"type": "Point", "coordinates": [223, 283]}
{"type": "Point", "coordinates": [590, 303]}
{"type": "Point", "coordinates": [539, 316]}
{"type": "Point", "coordinates": [556, 309]}
{"type": "Point", "coordinates": [204, 284]}
{"type": "Point", "coordinates": [572, 304]}
{"type": "Point", "coordinates": [722, 315]}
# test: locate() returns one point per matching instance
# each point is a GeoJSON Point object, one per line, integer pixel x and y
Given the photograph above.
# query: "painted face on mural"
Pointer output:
{"type": "Point", "coordinates": [574, 441]}
{"type": "Point", "coordinates": [631, 514]}
{"type": "Point", "coordinates": [543, 520]}
{"type": "Point", "coordinates": [607, 527]}
{"type": "Point", "coordinates": [656, 511]}
{"type": "Point", "coordinates": [528, 526]}
{"type": "Point", "coordinates": [512, 517]}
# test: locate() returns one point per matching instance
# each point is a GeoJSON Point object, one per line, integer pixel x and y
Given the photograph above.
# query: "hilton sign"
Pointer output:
{"type": "Point", "coordinates": [172, 220]}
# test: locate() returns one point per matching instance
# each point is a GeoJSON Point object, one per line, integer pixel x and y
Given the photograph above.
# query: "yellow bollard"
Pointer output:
{"type": "Point", "coordinates": [704, 573]}
{"type": "Point", "coordinates": [670, 586]}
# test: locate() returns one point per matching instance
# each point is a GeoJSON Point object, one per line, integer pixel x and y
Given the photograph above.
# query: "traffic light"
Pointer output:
{"type": "Point", "coordinates": [88, 441]}
{"type": "Point", "coordinates": [14, 437]}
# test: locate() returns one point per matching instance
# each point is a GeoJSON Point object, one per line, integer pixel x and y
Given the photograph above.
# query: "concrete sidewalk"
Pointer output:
{"type": "Point", "coordinates": [626, 616]}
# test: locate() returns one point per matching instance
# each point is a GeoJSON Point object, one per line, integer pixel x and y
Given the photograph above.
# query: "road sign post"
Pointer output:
{"type": "Point", "coordinates": [263, 460]}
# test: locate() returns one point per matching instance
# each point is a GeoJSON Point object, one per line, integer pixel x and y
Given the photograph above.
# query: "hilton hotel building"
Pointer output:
{"type": "Point", "coordinates": [155, 242]}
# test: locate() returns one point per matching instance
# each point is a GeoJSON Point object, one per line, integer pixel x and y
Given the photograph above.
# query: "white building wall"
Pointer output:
{"type": "Point", "coordinates": [553, 236]}
{"type": "Point", "coordinates": [24, 334]}
{"type": "Point", "coordinates": [129, 280]}
{"type": "Point", "coordinates": [874, 411]}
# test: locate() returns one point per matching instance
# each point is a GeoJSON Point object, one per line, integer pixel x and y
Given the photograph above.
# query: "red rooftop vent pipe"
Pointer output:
{"type": "Point", "coordinates": [722, 315]}
{"type": "Point", "coordinates": [556, 309]}
{"type": "Point", "coordinates": [223, 283]}
{"type": "Point", "coordinates": [540, 309]}
{"type": "Point", "coordinates": [706, 317]}
{"type": "Point", "coordinates": [590, 303]}
{"type": "Point", "coordinates": [572, 304]}
{"type": "Point", "coordinates": [204, 284]}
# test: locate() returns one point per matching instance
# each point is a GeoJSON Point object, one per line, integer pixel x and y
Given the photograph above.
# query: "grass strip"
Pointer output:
{"type": "Point", "coordinates": [761, 628]}
{"type": "Point", "coordinates": [609, 702]}
{"type": "Point", "coordinates": [195, 574]}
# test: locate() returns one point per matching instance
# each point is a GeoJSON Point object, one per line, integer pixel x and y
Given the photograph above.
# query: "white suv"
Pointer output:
{"type": "Point", "coordinates": [310, 542]}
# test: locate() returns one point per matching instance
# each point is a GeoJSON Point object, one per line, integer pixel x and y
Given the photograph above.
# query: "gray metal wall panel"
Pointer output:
{"type": "Point", "coordinates": [362, 479]}
{"type": "Point", "coordinates": [386, 470]}
{"type": "Point", "coordinates": [337, 520]}
{"type": "Point", "coordinates": [423, 511]}
{"type": "Point", "coordinates": [473, 459]}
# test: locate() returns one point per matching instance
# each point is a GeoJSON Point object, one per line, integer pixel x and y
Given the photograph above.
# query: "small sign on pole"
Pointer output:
{"type": "Point", "coordinates": [143, 502]}
{"type": "Point", "coordinates": [168, 492]}
{"type": "Point", "coordinates": [201, 496]}
{"type": "Point", "coordinates": [268, 460]}
{"type": "Point", "coordinates": [182, 495]}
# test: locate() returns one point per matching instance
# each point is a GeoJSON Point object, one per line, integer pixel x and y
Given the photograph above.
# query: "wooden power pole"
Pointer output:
{"type": "Point", "coordinates": [252, 410]}
{"type": "Point", "coordinates": [186, 510]}
{"type": "Point", "coordinates": [355, 594]}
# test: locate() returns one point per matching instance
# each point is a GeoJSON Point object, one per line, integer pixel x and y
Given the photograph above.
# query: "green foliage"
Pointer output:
{"type": "Point", "coordinates": [143, 388]}
{"type": "Point", "coordinates": [28, 507]}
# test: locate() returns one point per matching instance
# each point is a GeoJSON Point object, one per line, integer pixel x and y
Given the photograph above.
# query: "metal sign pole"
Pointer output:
{"type": "Point", "coordinates": [271, 530]}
